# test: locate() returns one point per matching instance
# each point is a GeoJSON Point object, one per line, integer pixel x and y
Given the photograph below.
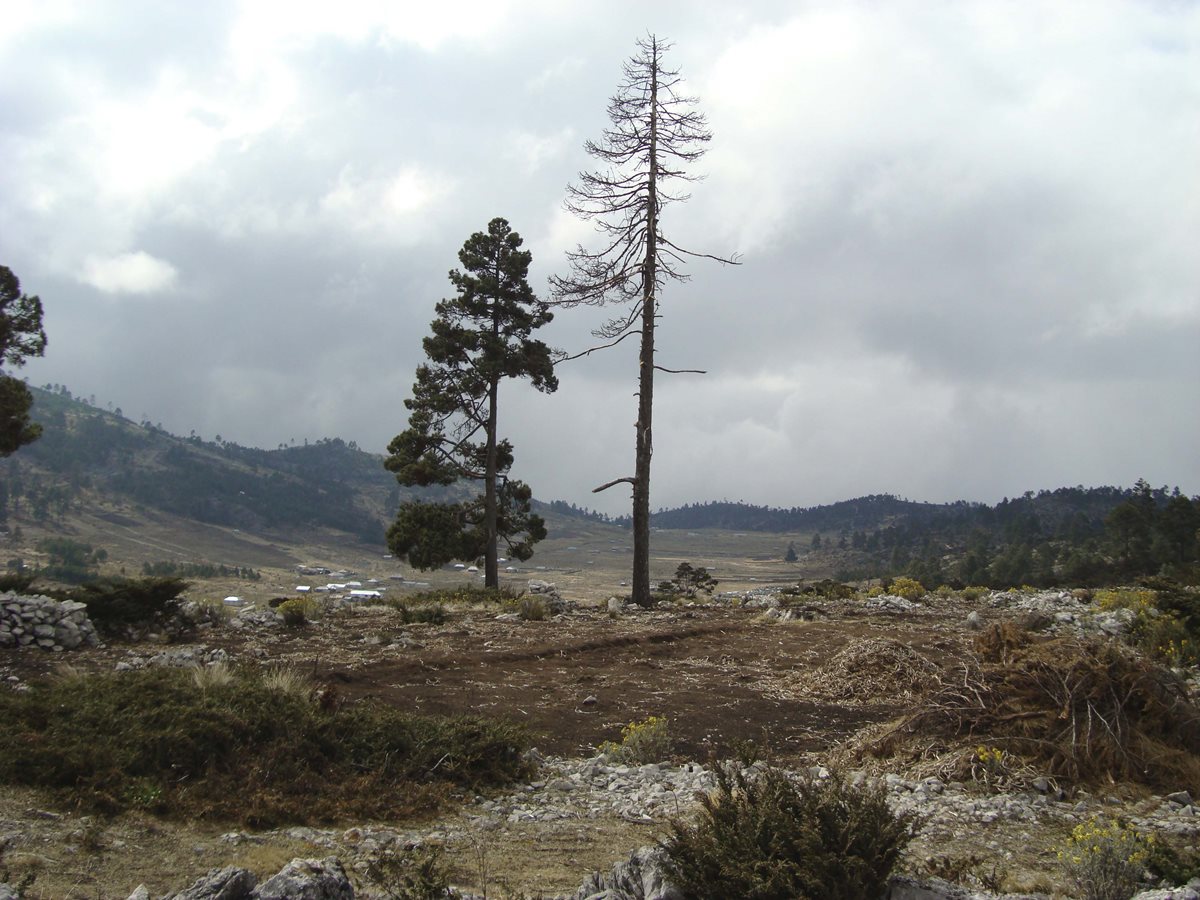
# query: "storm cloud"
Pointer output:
{"type": "Point", "coordinates": [968, 231]}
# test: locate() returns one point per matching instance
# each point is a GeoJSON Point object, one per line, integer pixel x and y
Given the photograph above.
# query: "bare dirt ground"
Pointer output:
{"type": "Point", "coordinates": [720, 674]}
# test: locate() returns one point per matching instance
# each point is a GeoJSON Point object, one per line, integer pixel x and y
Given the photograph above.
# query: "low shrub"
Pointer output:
{"type": "Point", "coordinates": [17, 582]}
{"type": "Point", "coordinates": [825, 589]}
{"type": "Point", "coordinates": [432, 613]}
{"type": "Point", "coordinates": [908, 588]}
{"type": "Point", "coordinates": [1135, 599]}
{"type": "Point", "coordinates": [1105, 861]}
{"type": "Point", "coordinates": [298, 611]}
{"type": "Point", "coordinates": [114, 604]}
{"type": "Point", "coordinates": [769, 836]}
{"type": "Point", "coordinates": [973, 593]}
{"type": "Point", "coordinates": [420, 873]}
{"type": "Point", "coordinates": [467, 595]}
{"type": "Point", "coordinates": [641, 742]}
{"type": "Point", "coordinates": [241, 750]}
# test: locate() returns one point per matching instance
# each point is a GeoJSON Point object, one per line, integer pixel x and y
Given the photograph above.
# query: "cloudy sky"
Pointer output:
{"type": "Point", "coordinates": [969, 230]}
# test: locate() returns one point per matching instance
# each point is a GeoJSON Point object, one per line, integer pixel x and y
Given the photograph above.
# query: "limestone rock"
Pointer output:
{"type": "Point", "coordinates": [308, 879]}
{"type": "Point", "coordinates": [641, 877]}
{"type": "Point", "coordinates": [229, 883]}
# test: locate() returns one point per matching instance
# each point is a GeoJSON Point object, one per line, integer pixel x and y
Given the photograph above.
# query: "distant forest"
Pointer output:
{"type": "Point", "coordinates": [1069, 536]}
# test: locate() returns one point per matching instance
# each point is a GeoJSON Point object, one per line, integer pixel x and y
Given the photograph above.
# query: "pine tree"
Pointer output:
{"type": "Point", "coordinates": [654, 135]}
{"type": "Point", "coordinates": [21, 336]}
{"type": "Point", "coordinates": [480, 337]}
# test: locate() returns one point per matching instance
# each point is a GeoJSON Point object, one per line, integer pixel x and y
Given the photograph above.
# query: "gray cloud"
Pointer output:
{"type": "Point", "coordinates": [968, 231]}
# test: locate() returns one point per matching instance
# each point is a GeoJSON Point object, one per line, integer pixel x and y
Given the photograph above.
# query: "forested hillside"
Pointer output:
{"type": "Point", "coordinates": [328, 483]}
{"type": "Point", "coordinates": [1070, 535]}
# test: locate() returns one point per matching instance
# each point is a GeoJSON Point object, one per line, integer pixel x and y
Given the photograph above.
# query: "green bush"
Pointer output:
{"type": "Point", "coordinates": [297, 611]}
{"type": "Point", "coordinates": [467, 595]}
{"type": "Point", "coordinates": [433, 613]}
{"type": "Point", "coordinates": [908, 588]}
{"type": "Point", "coordinates": [641, 742]}
{"type": "Point", "coordinates": [116, 603]}
{"type": "Point", "coordinates": [769, 836]}
{"type": "Point", "coordinates": [18, 582]}
{"type": "Point", "coordinates": [974, 592]}
{"type": "Point", "coordinates": [417, 874]}
{"type": "Point", "coordinates": [240, 749]}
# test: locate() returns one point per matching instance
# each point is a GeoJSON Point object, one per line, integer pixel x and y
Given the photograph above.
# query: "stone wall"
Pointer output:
{"type": "Point", "coordinates": [43, 622]}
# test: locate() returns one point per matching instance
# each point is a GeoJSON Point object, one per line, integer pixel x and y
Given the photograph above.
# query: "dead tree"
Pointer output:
{"type": "Point", "coordinates": [654, 134]}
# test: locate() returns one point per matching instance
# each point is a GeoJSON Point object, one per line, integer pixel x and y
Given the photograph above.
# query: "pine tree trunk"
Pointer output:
{"type": "Point", "coordinates": [645, 442]}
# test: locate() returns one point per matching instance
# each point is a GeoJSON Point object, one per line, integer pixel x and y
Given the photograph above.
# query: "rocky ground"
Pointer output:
{"type": "Point", "coordinates": [806, 681]}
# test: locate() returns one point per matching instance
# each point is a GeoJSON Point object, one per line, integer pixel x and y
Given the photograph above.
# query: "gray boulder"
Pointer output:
{"type": "Point", "coordinates": [229, 883]}
{"type": "Point", "coordinates": [641, 877]}
{"type": "Point", "coordinates": [308, 879]}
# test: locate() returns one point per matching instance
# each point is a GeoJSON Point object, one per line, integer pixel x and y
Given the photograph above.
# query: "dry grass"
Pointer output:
{"type": "Point", "coordinates": [208, 678]}
{"type": "Point", "coordinates": [869, 670]}
{"type": "Point", "coordinates": [288, 680]}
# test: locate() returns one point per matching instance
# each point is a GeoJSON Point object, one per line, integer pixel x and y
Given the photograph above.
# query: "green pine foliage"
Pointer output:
{"type": "Point", "coordinates": [479, 338]}
{"type": "Point", "coordinates": [21, 336]}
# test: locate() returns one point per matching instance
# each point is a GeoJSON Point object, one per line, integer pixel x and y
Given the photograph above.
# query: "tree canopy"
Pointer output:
{"type": "Point", "coordinates": [480, 337]}
{"type": "Point", "coordinates": [21, 336]}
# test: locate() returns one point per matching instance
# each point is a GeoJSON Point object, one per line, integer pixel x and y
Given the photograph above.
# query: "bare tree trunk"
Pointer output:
{"type": "Point", "coordinates": [491, 566]}
{"type": "Point", "coordinates": [645, 440]}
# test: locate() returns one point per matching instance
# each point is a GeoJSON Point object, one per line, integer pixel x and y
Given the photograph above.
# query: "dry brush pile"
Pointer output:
{"type": "Point", "coordinates": [1081, 709]}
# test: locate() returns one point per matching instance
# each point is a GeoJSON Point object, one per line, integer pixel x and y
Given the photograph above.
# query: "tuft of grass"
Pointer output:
{"type": "Point", "coordinates": [532, 608]}
{"type": "Point", "coordinates": [287, 680]}
{"type": "Point", "coordinates": [213, 677]}
{"type": "Point", "coordinates": [240, 750]}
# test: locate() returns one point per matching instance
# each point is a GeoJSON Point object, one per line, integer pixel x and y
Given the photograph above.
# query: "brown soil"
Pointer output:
{"type": "Point", "coordinates": [720, 674]}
